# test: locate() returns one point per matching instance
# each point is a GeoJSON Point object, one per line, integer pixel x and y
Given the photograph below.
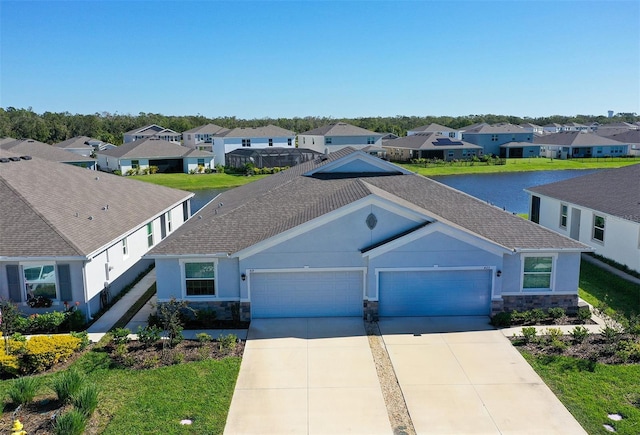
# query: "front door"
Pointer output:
{"type": "Point", "coordinates": [574, 232]}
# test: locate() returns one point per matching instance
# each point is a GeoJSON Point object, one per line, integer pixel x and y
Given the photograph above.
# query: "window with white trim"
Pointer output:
{"type": "Point", "coordinates": [246, 142]}
{"type": "Point", "coordinates": [40, 280]}
{"type": "Point", "coordinates": [289, 142]}
{"type": "Point", "coordinates": [150, 234]}
{"type": "Point", "coordinates": [598, 228]}
{"type": "Point", "coordinates": [169, 224]}
{"type": "Point", "coordinates": [537, 273]}
{"type": "Point", "coordinates": [200, 279]}
{"type": "Point", "coordinates": [564, 215]}
{"type": "Point", "coordinates": [270, 142]}
{"type": "Point", "coordinates": [328, 140]}
{"type": "Point", "coordinates": [125, 248]}
{"type": "Point", "coordinates": [371, 140]}
{"type": "Point", "coordinates": [135, 164]}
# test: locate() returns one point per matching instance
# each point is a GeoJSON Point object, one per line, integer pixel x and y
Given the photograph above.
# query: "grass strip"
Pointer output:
{"type": "Point", "coordinates": [133, 309]}
{"type": "Point", "coordinates": [192, 182]}
{"type": "Point", "coordinates": [597, 286]}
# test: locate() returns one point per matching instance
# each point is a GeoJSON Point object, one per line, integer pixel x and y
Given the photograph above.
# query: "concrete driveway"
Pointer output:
{"type": "Point", "coordinates": [459, 375]}
{"type": "Point", "coordinates": [307, 376]}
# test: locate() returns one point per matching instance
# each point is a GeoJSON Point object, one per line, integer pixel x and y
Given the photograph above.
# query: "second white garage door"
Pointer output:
{"type": "Point", "coordinates": [306, 294]}
{"type": "Point", "coordinates": [435, 293]}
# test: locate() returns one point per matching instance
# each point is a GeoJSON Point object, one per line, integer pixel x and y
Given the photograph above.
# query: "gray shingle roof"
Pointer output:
{"type": "Point", "coordinates": [575, 138]}
{"type": "Point", "coordinates": [629, 136]}
{"type": "Point", "coordinates": [340, 129]}
{"type": "Point", "coordinates": [206, 129]}
{"type": "Point", "coordinates": [249, 132]}
{"type": "Point", "coordinates": [44, 151]}
{"type": "Point", "coordinates": [154, 149]}
{"type": "Point", "coordinates": [265, 208]}
{"type": "Point", "coordinates": [75, 142]}
{"type": "Point", "coordinates": [612, 191]}
{"type": "Point", "coordinates": [431, 128]}
{"type": "Point", "coordinates": [429, 141]}
{"type": "Point", "coordinates": [46, 207]}
{"type": "Point", "coordinates": [150, 129]}
{"type": "Point", "coordinates": [495, 129]}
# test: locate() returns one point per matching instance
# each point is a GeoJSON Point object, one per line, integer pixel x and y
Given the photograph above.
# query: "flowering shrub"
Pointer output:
{"type": "Point", "coordinates": [42, 352]}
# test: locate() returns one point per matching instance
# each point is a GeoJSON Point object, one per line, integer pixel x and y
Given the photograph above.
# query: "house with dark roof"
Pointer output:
{"type": "Point", "coordinates": [67, 234]}
{"type": "Point", "coordinates": [143, 154]}
{"type": "Point", "coordinates": [579, 144]}
{"type": "Point", "coordinates": [491, 137]}
{"type": "Point", "coordinates": [601, 210]}
{"type": "Point", "coordinates": [436, 128]}
{"type": "Point", "coordinates": [83, 145]}
{"type": "Point", "coordinates": [349, 234]}
{"type": "Point", "coordinates": [272, 157]}
{"type": "Point", "coordinates": [152, 130]}
{"type": "Point", "coordinates": [251, 137]}
{"type": "Point", "coordinates": [34, 148]}
{"type": "Point", "coordinates": [202, 137]}
{"type": "Point", "coordinates": [333, 137]}
{"type": "Point", "coordinates": [430, 146]}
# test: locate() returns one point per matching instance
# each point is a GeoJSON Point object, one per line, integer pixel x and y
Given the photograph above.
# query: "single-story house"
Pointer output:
{"type": "Point", "coordinates": [202, 137]}
{"type": "Point", "coordinates": [430, 146]}
{"type": "Point", "coordinates": [251, 137]}
{"type": "Point", "coordinates": [349, 234]}
{"type": "Point", "coordinates": [34, 148]}
{"type": "Point", "coordinates": [67, 234]}
{"type": "Point", "coordinates": [152, 130]}
{"type": "Point", "coordinates": [143, 153]}
{"type": "Point", "coordinates": [332, 137]}
{"type": "Point", "coordinates": [601, 210]}
{"type": "Point", "coordinates": [631, 137]}
{"type": "Point", "coordinates": [84, 145]}
{"type": "Point", "coordinates": [579, 144]}
{"type": "Point", "coordinates": [519, 150]}
{"type": "Point", "coordinates": [269, 157]}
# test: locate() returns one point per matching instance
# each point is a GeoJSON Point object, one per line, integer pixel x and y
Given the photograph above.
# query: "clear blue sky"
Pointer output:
{"type": "Point", "coordinates": [321, 58]}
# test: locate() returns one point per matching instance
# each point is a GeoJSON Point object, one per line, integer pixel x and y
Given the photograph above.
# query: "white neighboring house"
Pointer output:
{"type": "Point", "coordinates": [333, 137]}
{"type": "Point", "coordinates": [67, 233]}
{"type": "Point", "coordinates": [601, 209]}
{"type": "Point", "coordinates": [143, 153]}
{"type": "Point", "coordinates": [153, 130]}
{"type": "Point", "coordinates": [251, 137]}
{"type": "Point", "coordinates": [436, 128]}
{"type": "Point", "coordinates": [34, 148]}
{"type": "Point", "coordinates": [202, 137]}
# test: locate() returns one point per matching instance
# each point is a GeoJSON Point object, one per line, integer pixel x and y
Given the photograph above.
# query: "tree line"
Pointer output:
{"type": "Point", "coordinates": [54, 127]}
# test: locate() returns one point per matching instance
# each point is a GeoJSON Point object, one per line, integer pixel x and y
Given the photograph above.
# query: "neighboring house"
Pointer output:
{"type": "Point", "coordinates": [152, 130]}
{"type": "Point", "coordinates": [552, 128]}
{"type": "Point", "coordinates": [202, 137]}
{"type": "Point", "coordinates": [520, 150]}
{"type": "Point", "coordinates": [601, 210]}
{"type": "Point", "coordinates": [631, 137]}
{"type": "Point", "coordinates": [532, 128]}
{"type": "Point", "coordinates": [574, 126]}
{"type": "Point", "coordinates": [430, 146]}
{"type": "Point", "coordinates": [436, 128]}
{"type": "Point", "coordinates": [349, 234]}
{"type": "Point", "coordinates": [77, 145]}
{"type": "Point", "coordinates": [269, 157]}
{"type": "Point", "coordinates": [34, 148]}
{"type": "Point", "coordinates": [333, 137]}
{"type": "Point", "coordinates": [144, 153]}
{"type": "Point", "coordinates": [251, 137]}
{"type": "Point", "coordinates": [579, 144]}
{"type": "Point", "coordinates": [67, 233]}
{"type": "Point", "coordinates": [491, 137]}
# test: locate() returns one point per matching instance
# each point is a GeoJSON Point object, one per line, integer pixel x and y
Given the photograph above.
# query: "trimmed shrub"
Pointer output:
{"type": "Point", "coordinates": [584, 314]}
{"type": "Point", "coordinates": [120, 335]}
{"type": "Point", "coordinates": [42, 352]}
{"type": "Point", "coordinates": [70, 423]}
{"type": "Point", "coordinates": [86, 400]}
{"type": "Point", "coordinates": [556, 312]}
{"type": "Point", "coordinates": [83, 337]}
{"type": "Point", "coordinates": [227, 342]}
{"type": "Point", "coordinates": [67, 385]}
{"type": "Point", "coordinates": [529, 333]}
{"type": "Point", "coordinates": [203, 337]}
{"type": "Point", "coordinates": [46, 322]}
{"type": "Point", "coordinates": [501, 320]}
{"type": "Point", "coordinates": [23, 390]}
{"type": "Point", "coordinates": [579, 334]}
{"type": "Point", "coordinates": [9, 365]}
{"type": "Point", "coordinates": [149, 335]}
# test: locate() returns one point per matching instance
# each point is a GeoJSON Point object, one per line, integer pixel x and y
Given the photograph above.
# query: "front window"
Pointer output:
{"type": "Point", "coordinates": [200, 279]}
{"type": "Point", "coordinates": [270, 142]}
{"type": "Point", "coordinates": [537, 273]}
{"type": "Point", "coordinates": [564, 212]}
{"type": "Point", "coordinates": [135, 164]}
{"type": "Point", "coordinates": [149, 234]}
{"type": "Point", "coordinates": [169, 225]}
{"type": "Point", "coordinates": [328, 140]}
{"type": "Point", "coordinates": [246, 142]}
{"type": "Point", "coordinates": [289, 142]}
{"type": "Point", "coordinates": [371, 141]}
{"type": "Point", "coordinates": [125, 248]}
{"type": "Point", "coordinates": [494, 138]}
{"type": "Point", "coordinates": [201, 163]}
{"type": "Point", "coordinates": [598, 228]}
{"type": "Point", "coordinates": [40, 280]}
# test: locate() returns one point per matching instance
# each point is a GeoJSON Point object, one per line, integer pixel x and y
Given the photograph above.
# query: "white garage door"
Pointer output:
{"type": "Point", "coordinates": [306, 294]}
{"type": "Point", "coordinates": [435, 293]}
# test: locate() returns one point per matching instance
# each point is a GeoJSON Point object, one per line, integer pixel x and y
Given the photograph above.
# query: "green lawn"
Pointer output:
{"type": "Point", "coordinates": [590, 392]}
{"type": "Point", "coordinates": [520, 165]}
{"type": "Point", "coordinates": [154, 401]}
{"type": "Point", "coordinates": [192, 182]}
{"type": "Point", "coordinates": [598, 285]}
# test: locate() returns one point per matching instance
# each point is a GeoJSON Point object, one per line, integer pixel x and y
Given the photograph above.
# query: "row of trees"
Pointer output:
{"type": "Point", "coordinates": [53, 127]}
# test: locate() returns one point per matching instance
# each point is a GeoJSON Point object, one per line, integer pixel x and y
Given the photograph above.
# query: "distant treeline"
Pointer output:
{"type": "Point", "coordinates": [53, 127]}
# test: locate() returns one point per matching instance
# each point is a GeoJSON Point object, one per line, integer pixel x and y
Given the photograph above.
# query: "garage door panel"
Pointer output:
{"type": "Point", "coordinates": [434, 293]}
{"type": "Point", "coordinates": [306, 294]}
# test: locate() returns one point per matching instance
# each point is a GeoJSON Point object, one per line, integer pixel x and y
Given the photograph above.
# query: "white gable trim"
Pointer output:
{"type": "Point", "coordinates": [376, 162]}
{"type": "Point", "coordinates": [326, 218]}
{"type": "Point", "coordinates": [443, 228]}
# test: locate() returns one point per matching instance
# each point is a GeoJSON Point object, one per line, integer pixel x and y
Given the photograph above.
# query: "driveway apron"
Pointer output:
{"type": "Point", "coordinates": [458, 375]}
{"type": "Point", "coordinates": [307, 376]}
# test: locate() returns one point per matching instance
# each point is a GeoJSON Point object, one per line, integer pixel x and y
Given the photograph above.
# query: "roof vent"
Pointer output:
{"type": "Point", "coordinates": [25, 157]}
{"type": "Point", "coordinates": [4, 160]}
{"type": "Point", "coordinates": [90, 218]}
{"type": "Point", "coordinates": [97, 178]}
{"type": "Point", "coordinates": [14, 159]}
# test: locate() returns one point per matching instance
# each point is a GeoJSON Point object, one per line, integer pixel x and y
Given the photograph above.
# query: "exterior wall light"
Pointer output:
{"type": "Point", "coordinates": [498, 273]}
{"type": "Point", "coordinates": [243, 277]}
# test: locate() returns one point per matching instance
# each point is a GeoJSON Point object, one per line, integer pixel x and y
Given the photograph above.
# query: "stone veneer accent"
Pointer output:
{"type": "Point", "coordinates": [528, 302]}
{"type": "Point", "coordinates": [224, 309]}
{"type": "Point", "coordinates": [370, 311]}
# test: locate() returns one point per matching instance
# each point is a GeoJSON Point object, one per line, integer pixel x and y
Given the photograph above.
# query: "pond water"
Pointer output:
{"type": "Point", "coordinates": [504, 190]}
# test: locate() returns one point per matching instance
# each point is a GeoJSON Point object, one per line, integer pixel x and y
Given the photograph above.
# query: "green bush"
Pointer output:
{"type": "Point", "coordinates": [556, 312]}
{"type": "Point", "coordinates": [83, 337]}
{"type": "Point", "coordinates": [529, 334]}
{"type": "Point", "coordinates": [501, 320]}
{"type": "Point", "coordinates": [149, 335]}
{"type": "Point", "coordinates": [584, 314]}
{"type": "Point", "coordinates": [68, 384]}
{"type": "Point", "coordinates": [227, 342]}
{"type": "Point", "coordinates": [579, 334]}
{"type": "Point", "coordinates": [75, 320]}
{"type": "Point", "coordinates": [538, 315]}
{"type": "Point", "coordinates": [23, 390]}
{"type": "Point", "coordinates": [120, 335]}
{"type": "Point", "coordinates": [70, 423]}
{"type": "Point", "coordinates": [86, 400]}
{"type": "Point", "coordinates": [46, 322]}
{"type": "Point", "coordinates": [9, 365]}
{"type": "Point", "coordinates": [203, 337]}
{"type": "Point", "coordinates": [610, 334]}
{"type": "Point", "coordinates": [554, 333]}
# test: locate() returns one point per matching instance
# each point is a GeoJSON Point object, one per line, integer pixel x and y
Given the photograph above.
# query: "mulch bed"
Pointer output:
{"type": "Point", "coordinates": [39, 416]}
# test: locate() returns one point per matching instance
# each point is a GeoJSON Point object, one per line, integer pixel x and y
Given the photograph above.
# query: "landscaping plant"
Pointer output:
{"type": "Point", "coordinates": [72, 422]}
{"type": "Point", "coordinates": [86, 399]}
{"type": "Point", "coordinates": [68, 384]}
{"type": "Point", "coordinates": [23, 390]}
